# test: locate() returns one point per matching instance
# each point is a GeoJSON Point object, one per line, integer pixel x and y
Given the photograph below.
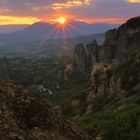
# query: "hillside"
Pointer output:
{"type": "Point", "coordinates": [24, 116]}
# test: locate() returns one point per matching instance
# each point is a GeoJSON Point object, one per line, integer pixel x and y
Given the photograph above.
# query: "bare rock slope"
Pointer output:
{"type": "Point", "coordinates": [24, 116]}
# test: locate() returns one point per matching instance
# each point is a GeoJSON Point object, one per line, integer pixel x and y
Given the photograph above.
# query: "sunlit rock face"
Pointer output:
{"type": "Point", "coordinates": [66, 68]}
{"type": "Point", "coordinates": [24, 116]}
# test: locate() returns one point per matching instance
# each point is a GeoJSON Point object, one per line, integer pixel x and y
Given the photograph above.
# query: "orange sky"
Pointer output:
{"type": "Point", "coordinates": [11, 20]}
{"type": "Point", "coordinates": [90, 11]}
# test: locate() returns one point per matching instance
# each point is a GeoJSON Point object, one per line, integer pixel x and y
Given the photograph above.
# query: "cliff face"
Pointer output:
{"type": "Point", "coordinates": [128, 38]}
{"type": "Point", "coordinates": [112, 78]}
{"type": "Point", "coordinates": [124, 41]}
{"type": "Point", "coordinates": [109, 46]}
{"type": "Point", "coordinates": [111, 82]}
{"type": "Point", "coordinates": [118, 46]}
{"type": "Point", "coordinates": [111, 86]}
{"type": "Point", "coordinates": [80, 58]}
{"type": "Point", "coordinates": [24, 116]}
{"type": "Point", "coordinates": [92, 52]}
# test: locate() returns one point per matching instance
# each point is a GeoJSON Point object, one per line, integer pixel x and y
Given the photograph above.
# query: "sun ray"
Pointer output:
{"type": "Point", "coordinates": [62, 26]}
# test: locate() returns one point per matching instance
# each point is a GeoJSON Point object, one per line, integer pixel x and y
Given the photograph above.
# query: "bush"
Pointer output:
{"type": "Point", "coordinates": [123, 124]}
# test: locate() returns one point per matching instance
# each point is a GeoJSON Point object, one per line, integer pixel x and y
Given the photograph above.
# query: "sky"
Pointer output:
{"type": "Point", "coordinates": [90, 11]}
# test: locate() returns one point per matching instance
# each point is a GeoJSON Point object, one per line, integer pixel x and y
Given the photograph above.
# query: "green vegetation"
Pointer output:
{"type": "Point", "coordinates": [49, 73]}
{"type": "Point", "coordinates": [112, 119]}
{"type": "Point", "coordinates": [122, 120]}
{"type": "Point", "coordinates": [129, 73]}
{"type": "Point", "coordinates": [67, 93]}
{"type": "Point", "coordinates": [34, 72]}
{"type": "Point", "coordinates": [120, 124]}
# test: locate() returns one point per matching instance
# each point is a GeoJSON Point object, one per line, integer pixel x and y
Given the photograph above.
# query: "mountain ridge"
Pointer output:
{"type": "Point", "coordinates": [44, 31]}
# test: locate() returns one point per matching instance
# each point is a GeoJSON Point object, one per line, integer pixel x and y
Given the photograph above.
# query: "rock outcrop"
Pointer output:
{"type": "Point", "coordinates": [118, 46]}
{"type": "Point", "coordinates": [124, 42]}
{"type": "Point", "coordinates": [92, 52]}
{"type": "Point", "coordinates": [80, 58]}
{"type": "Point", "coordinates": [111, 86]}
{"type": "Point", "coordinates": [24, 116]}
{"type": "Point", "coordinates": [120, 50]}
{"type": "Point", "coordinates": [128, 39]}
{"type": "Point", "coordinates": [109, 46]}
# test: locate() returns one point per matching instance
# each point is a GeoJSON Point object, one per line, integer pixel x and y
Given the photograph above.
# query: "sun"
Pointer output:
{"type": "Point", "coordinates": [62, 20]}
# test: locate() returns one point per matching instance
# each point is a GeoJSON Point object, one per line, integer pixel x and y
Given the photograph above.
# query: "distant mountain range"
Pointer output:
{"type": "Point", "coordinates": [44, 31]}
{"type": "Point", "coordinates": [12, 28]}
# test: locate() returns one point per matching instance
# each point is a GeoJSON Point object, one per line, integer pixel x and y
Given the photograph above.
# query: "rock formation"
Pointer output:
{"type": "Point", "coordinates": [111, 86]}
{"type": "Point", "coordinates": [108, 46]}
{"type": "Point", "coordinates": [24, 116]}
{"type": "Point", "coordinates": [118, 46]}
{"type": "Point", "coordinates": [128, 39]}
{"type": "Point", "coordinates": [80, 58]}
{"type": "Point", "coordinates": [121, 48]}
{"type": "Point", "coordinates": [92, 51]}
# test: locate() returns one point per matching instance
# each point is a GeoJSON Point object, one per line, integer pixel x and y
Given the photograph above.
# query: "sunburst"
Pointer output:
{"type": "Point", "coordinates": [62, 20]}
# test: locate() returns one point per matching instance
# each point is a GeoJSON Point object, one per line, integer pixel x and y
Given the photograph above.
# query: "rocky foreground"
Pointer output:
{"type": "Point", "coordinates": [24, 116]}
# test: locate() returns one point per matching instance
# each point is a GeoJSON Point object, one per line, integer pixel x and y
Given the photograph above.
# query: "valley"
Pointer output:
{"type": "Point", "coordinates": [96, 85]}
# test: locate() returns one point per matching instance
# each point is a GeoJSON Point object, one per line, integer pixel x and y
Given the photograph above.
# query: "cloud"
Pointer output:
{"type": "Point", "coordinates": [113, 20]}
{"type": "Point", "coordinates": [103, 10]}
{"type": "Point", "coordinates": [37, 7]}
{"type": "Point", "coordinates": [17, 20]}
{"type": "Point", "coordinates": [72, 3]}
{"type": "Point", "coordinates": [45, 4]}
{"type": "Point", "coordinates": [133, 1]}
